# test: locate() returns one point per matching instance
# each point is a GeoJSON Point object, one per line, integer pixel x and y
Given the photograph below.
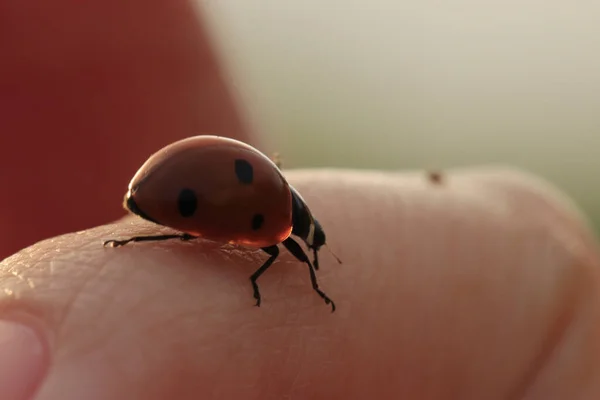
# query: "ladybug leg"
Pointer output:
{"type": "Point", "coordinates": [293, 247]}
{"type": "Point", "coordinates": [316, 259]}
{"type": "Point", "coordinates": [273, 251]}
{"type": "Point", "coordinates": [155, 238]}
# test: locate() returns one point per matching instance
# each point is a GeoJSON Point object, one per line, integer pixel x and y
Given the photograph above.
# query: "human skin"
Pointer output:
{"type": "Point", "coordinates": [482, 287]}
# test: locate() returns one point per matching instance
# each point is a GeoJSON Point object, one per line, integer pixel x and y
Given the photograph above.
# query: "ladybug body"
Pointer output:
{"type": "Point", "coordinates": [226, 191]}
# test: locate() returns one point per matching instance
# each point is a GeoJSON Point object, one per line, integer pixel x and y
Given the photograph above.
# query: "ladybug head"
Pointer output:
{"type": "Point", "coordinates": [318, 241]}
{"type": "Point", "coordinates": [318, 237]}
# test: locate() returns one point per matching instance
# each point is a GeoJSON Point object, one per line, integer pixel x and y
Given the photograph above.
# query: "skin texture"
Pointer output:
{"type": "Point", "coordinates": [485, 286]}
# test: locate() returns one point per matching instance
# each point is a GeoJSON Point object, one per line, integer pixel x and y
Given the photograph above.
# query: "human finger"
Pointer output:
{"type": "Point", "coordinates": [481, 287]}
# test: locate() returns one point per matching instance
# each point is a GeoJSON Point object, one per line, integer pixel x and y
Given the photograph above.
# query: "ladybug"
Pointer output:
{"type": "Point", "coordinates": [224, 190]}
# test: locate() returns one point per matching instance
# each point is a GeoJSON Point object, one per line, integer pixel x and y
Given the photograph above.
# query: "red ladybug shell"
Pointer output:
{"type": "Point", "coordinates": [216, 188]}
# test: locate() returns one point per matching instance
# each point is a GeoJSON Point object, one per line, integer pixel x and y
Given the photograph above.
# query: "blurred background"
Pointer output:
{"type": "Point", "coordinates": [410, 84]}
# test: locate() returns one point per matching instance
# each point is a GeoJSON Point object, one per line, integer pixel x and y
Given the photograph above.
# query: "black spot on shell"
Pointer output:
{"type": "Point", "coordinates": [187, 202]}
{"type": "Point", "coordinates": [257, 221]}
{"type": "Point", "coordinates": [244, 171]}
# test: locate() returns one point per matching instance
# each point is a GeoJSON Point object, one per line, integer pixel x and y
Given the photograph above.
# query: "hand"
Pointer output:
{"type": "Point", "coordinates": [485, 286]}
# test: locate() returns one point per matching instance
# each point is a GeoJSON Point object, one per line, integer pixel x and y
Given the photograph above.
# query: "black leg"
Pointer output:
{"type": "Point", "coordinates": [316, 259]}
{"type": "Point", "coordinates": [293, 247]}
{"type": "Point", "coordinates": [156, 238]}
{"type": "Point", "coordinates": [273, 251]}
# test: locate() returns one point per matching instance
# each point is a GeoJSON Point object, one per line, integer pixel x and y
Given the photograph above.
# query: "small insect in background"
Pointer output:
{"type": "Point", "coordinates": [224, 190]}
{"type": "Point", "coordinates": [436, 177]}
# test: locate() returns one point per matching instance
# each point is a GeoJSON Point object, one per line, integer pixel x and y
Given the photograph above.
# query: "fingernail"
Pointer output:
{"type": "Point", "coordinates": [23, 360]}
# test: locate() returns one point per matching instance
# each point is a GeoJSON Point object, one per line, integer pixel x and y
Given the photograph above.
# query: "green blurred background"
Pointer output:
{"type": "Point", "coordinates": [406, 84]}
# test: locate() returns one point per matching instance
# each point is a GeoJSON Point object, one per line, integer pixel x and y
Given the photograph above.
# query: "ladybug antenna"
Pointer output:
{"type": "Point", "coordinates": [333, 254]}
{"type": "Point", "coordinates": [316, 256]}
